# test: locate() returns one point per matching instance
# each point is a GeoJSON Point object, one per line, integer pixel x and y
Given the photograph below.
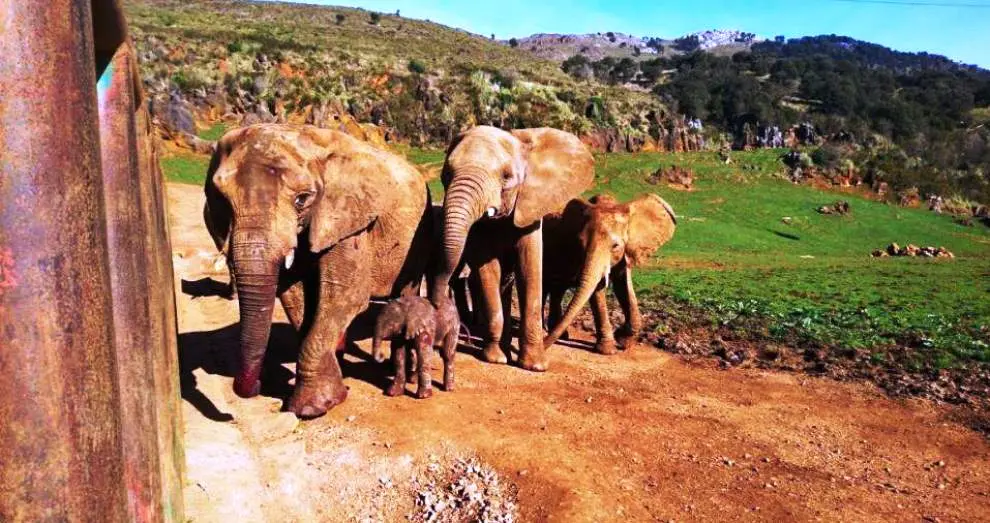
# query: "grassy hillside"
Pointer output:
{"type": "Point", "coordinates": [420, 80]}
{"type": "Point", "coordinates": [810, 280]}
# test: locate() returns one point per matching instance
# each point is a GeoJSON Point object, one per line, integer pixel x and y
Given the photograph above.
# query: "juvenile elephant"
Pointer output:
{"type": "Point", "coordinates": [499, 185]}
{"type": "Point", "coordinates": [415, 328]}
{"type": "Point", "coordinates": [591, 242]}
{"type": "Point", "coordinates": [323, 221]}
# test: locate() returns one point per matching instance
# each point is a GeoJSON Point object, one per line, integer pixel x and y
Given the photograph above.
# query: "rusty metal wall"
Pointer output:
{"type": "Point", "coordinates": [60, 447]}
{"type": "Point", "coordinates": [91, 422]}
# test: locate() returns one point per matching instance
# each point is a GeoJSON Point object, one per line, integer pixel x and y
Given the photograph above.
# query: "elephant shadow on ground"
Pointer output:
{"type": "Point", "coordinates": [207, 287]}
{"type": "Point", "coordinates": [215, 352]}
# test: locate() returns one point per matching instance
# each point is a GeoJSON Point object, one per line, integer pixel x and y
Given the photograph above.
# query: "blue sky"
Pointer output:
{"type": "Point", "coordinates": [961, 33]}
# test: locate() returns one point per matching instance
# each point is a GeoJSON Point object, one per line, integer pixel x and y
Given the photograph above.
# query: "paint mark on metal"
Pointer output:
{"type": "Point", "coordinates": [8, 278]}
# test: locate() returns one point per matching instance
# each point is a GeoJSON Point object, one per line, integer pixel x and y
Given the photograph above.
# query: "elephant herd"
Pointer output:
{"type": "Point", "coordinates": [327, 223]}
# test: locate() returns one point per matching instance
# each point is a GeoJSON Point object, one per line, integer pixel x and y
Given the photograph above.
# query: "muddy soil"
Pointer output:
{"type": "Point", "coordinates": [640, 436]}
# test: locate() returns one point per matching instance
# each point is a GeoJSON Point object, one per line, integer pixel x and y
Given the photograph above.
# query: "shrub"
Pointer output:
{"type": "Point", "coordinates": [340, 18]}
{"type": "Point", "coordinates": [376, 18]}
{"type": "Point", "coordinates": [415, 66]}
{"type": "Point", "coordinates": [513, 42]}
{"type": "Point", "coordinates": [827, 157]}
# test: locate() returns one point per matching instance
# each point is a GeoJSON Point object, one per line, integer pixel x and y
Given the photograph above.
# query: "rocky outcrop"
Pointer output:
{"type": "Point", "coordinates": [674, 176]}
{"type": "Point", "coordinates": [914, 251]}
{"type": "Point", "coordinates": [840, 208]}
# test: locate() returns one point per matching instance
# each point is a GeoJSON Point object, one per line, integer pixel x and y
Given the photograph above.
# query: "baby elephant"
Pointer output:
{"type": "Point", "coordinates": [415, 327]}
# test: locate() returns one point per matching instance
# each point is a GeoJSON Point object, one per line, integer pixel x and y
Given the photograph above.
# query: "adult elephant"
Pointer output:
{"type": "Point", "coordinates": [591, 242]}
{"type": "Point", "coordinates": [499, 185]}
{"type": "Point", "coordinates": [323, 221]}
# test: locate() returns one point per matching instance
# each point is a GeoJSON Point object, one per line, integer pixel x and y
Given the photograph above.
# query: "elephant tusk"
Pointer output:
{"type": "Point", "coordinates": [606, 278]}
{"type": "Point", "coordinates": [490, 212]}
{"type": "Point", "coordinates": [289, 258]}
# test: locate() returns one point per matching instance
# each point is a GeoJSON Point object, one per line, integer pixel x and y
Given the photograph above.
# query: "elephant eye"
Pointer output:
{"type": "Point", "coordinates": [507, 175]}
{"type": "Point", "coordinates": [302, 199]}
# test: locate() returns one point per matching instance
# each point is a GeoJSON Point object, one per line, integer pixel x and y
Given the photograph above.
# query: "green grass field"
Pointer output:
{"type": "Point", "coordinates": [734, 262]}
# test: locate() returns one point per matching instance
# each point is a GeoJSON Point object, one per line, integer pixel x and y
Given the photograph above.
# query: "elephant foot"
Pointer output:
{"type": "Point", "coordinates": [493, 353]}
{"type": "Point", "coordinates": [397, 388]}
{"type": "Point", "coordinates": [606, 347]}
{"type": "Point", "coordinates": [309, 402]}
{"type": "Point", "coordinates": [424, 392]}
{"type": "Point", "coordinates": [625, 337]}
{"type": "Point", "coordinates": [534, 360]}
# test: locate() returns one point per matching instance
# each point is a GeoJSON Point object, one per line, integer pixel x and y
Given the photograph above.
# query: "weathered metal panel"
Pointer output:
{"type": "Point", "coordinates": [130, 278]}
{"type": "Point", "coordinates": [163, 319]}
{"type": "Point", "coordinates": [60, 446]}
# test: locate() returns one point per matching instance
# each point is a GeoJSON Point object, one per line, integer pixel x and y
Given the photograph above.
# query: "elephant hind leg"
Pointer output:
{"type": "Point", "coordinates": [490, 276]}
{"type": "Point", "coordinates": [556, 312]}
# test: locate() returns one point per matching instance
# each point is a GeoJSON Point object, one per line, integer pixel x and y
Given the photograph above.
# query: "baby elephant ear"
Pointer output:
{"type": "Point", "coordinates": [651, 224]}
{"type": "Point", "coordinates": [558, 167]}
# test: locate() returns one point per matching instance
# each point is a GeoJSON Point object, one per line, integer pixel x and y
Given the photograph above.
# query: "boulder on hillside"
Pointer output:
{"type": "Point", "coordinates": [675, 176]}
{"type": "Point", "coordinates": [840, 208]}
{"type": "Point", "coordinates": [913, 250]}
{"type": "Point", "coordinates": [174, 113]}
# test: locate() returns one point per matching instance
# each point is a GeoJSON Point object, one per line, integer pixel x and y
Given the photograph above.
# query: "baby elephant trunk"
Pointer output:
{"type": "Point", "coordinates": [376, 347]}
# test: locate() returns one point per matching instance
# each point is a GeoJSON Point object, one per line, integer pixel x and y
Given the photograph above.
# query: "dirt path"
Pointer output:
{"type": "Point", "coordinates": [640, 436]}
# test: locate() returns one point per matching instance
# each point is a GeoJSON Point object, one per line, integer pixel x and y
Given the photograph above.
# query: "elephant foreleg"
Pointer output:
{"type": "Point", "coordinates": [344, 291]}
{"type": "Point", "coordinates": [294, 304]}
{"type": "Point", "coordinates": [490, 280]}
{"type": "Point", "coordinates": [399, 351]}
{"type": "Point", "coordinates": [599, 309]}
{"type": "Point", "coordinates": [529, 282]}
{"type": "Point", "coordinates": [424, 389]}
{"type": "Point", "coordinates": [447, 352]}
{"type": "Point", "coordinates": [626, 296]}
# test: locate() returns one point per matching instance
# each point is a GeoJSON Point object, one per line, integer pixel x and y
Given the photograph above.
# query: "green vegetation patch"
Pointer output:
{"type": "Point", "coordinates": [752, 254]}
{"type": "Point", "coordinates": [185, 168]}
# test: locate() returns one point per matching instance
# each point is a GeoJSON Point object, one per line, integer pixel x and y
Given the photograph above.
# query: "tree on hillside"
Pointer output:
{"type": "Point", "coordinates": [578, 66]}
{"type": "Point", "coordinates": [687, 44]}
{"type": "Point", "coordinates": [340, 18]}
{"type": "Point", "coordinates": [513, 42]}
{"type": "Point", "coordinates": [623, 71]}
{"type": "Point", "coordinates": [375, 18]}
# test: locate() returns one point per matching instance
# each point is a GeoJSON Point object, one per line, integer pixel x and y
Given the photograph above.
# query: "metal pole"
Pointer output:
{"type": "Point", "coordinates": [60, 446]}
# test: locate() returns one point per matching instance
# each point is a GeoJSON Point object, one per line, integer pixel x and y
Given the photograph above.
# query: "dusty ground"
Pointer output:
{"type": "Point", "coordinates": [636, 437]}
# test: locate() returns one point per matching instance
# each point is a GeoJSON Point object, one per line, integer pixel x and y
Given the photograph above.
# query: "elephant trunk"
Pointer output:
{"type": "Point", "coordinates": [463, 205]}
{"type": "Point", "coordinates": [257, 280]}
{"type": "Point", "coordinates": [596, 267]}
{"type": "Point", "coordinates": [376, 347]}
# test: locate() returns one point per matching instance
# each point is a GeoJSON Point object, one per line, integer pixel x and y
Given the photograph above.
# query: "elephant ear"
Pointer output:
{"type": "Point", "coordinates": [356, 184]}
{"type": "Point", "coordinates": [558, 168]}
{"type": "Point", "coordinates": [217, 211]}
{"type": "Point", "coordinates": [651, 224]}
